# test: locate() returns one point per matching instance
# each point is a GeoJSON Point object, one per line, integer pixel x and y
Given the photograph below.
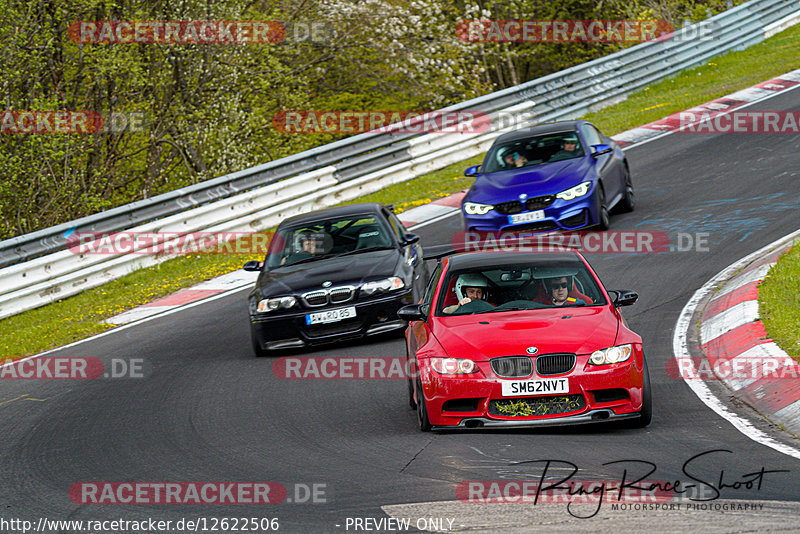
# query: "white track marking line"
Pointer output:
{"type": "Point", "coordinates": [741, 314]}
{"type": "Point", "coordinates": [680, 349]}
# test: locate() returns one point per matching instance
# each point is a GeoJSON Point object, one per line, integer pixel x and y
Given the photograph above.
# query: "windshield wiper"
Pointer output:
{"type": "Point", "coordinates": [306, 260]}
{"type": "Point", "coordinates": [512, 308]}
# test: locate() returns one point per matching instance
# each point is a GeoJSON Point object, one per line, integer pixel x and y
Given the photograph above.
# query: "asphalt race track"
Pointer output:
{"type": "Point", "coordinates": [210, 411]}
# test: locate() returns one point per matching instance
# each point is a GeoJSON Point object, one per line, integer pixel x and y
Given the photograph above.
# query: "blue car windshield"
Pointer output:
{"type": "Point", "coordinates": [536, 150]}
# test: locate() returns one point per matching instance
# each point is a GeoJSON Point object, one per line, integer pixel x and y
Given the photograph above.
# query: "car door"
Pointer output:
{"type": "Point", "coordinates": [609, 169]}
{"type": "Point", "coordinates": [418, 330]}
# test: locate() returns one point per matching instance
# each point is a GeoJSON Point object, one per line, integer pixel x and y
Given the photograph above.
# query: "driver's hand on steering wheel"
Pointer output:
{"type": "Point", "coordinates": [465, 300]}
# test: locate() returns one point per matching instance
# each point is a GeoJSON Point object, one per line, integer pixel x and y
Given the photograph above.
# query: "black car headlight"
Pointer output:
{"type": "Point", "coordinates": [276, 303]}
{"type": "Point", "coordinates": [387, 284]}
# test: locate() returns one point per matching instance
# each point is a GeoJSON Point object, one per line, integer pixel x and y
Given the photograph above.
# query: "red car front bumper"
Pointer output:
{"type": "Point", "coordinates": [596, 393]}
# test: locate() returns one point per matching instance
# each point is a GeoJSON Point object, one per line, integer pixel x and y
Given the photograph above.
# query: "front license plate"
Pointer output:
{"type": "Point", "coordinates": [549, 386]}
{"type": "Point", "coordinates": [531, 216]}
{"type": "Point", "coordinates": [331, 316]}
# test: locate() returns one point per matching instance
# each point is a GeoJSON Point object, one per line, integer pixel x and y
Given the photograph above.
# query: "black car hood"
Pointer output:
{"type": "Point", "coordinates": [353, 270]}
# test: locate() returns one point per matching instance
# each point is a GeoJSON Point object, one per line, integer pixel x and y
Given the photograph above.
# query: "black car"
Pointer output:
{"type": "Point", "coordinates": [334, 274]}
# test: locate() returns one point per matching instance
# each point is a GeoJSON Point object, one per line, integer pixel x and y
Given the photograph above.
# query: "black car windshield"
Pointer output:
{"type": "Point", "coordinates": [327, 238]}
{"type": "Point", "coordinates": [524, 286]}
{"type": "Point", "coordinates": [534, 150]}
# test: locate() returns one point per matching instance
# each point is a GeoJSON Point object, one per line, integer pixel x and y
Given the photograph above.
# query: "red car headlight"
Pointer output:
{"type": "Point", "coordinates": [453, 366]}
{"type": "Point", "coordinates": [616, 354]}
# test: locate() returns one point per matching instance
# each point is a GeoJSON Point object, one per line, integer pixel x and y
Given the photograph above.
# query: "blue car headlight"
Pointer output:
{"type": "Point", "coordinates": [575, 192]}
{"type": "Point", "coordinates": [473, 208]}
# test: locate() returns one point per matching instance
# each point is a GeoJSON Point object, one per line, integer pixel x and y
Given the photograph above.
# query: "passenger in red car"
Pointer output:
{"type": "Point", "coordinates": [558, 291]}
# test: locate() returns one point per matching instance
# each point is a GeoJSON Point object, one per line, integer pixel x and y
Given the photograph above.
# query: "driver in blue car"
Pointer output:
{"type": "Point", "coordinates": [469, 287]}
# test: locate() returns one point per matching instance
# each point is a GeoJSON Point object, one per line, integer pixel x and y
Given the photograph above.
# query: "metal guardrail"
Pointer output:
{"type": "Point", "coordinates": [37, 268]}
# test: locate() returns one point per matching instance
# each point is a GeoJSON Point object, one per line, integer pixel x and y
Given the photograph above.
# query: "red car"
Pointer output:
{"type": "Point", "coordinates": [523, 339]}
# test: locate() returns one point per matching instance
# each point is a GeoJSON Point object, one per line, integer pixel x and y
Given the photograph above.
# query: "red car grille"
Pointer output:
{"type": "Point", "coordinates": [554, 364]}
{"type": "Point", "coordinates": [512, 366]}
{"type": "Point", "coordinates": [528, 406]}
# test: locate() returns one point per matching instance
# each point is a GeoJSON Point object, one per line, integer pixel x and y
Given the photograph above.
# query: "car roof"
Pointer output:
{"type": "Point", "coordinates": [331, 213]}
{"type": "Point", "coordinates": [471, 260]}
{"type": "Point", "coordinates": [550, 127]}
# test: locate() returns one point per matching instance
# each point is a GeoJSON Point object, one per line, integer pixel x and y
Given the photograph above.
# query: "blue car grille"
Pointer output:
{"type": "Point", "coordinates": [537, 203]}
{"type": "Point", "coordinates": [508, 208]}
{"type": "Point", "coordinates": [544, 226]}
{"type": "Point", "coordinates": [516, 206]}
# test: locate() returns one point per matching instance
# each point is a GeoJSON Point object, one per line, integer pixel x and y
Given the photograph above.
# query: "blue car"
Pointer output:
{"type": "Point", "coordinates": [558, 176]}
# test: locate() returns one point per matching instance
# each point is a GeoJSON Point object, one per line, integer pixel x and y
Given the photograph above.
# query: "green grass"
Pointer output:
{"type": "Point", "coordinates": [720, 76]}
{"type": "Point", "coordinates": [779, 302]}
{"type": "Point", "coordinates": [81, 316]}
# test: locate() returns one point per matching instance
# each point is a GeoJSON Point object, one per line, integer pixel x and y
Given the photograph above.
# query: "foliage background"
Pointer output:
{"type": "Point", "coordinates": [208, 107]}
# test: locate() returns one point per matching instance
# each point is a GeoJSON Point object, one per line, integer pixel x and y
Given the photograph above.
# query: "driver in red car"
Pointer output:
{"type": "Point", "coordinates": [558, 290]}
{"type": "Point", "coordinates": [469, 287]}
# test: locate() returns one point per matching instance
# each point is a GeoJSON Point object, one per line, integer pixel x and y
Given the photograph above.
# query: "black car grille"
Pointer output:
{"type": "Point", "coordinates": [508, 208]}
{"type": "Point", "coordinates": [316, 298]}
{"type": "Point", "coordinates": [340, 294]}
{"type": "Point", "coordinates": [329, 329]}
{"type": "Point", "coordinates": [537, 203]}
{"type": "Point", "coordinates": [528, 406]}
{"type": "Point", "coordinates": [543, 226]}
{"type": "Point", "coordinates": [512, 366]}
{"type": "Point", "coordinates": [575, 220]}
{"type": "Point", "coordinates": [554, 364]}
{"type": "Point", "coordinates": [334, 295]}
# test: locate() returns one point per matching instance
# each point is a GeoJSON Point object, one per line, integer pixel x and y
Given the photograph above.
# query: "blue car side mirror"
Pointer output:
{"type": "Point", "coordinates": [472, 171]}
{"type": "Point", "coordinates": [600, 149]}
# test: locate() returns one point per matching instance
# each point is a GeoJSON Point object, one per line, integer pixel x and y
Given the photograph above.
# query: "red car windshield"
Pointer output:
{"type": "Point", "coordinates": [529, 286]}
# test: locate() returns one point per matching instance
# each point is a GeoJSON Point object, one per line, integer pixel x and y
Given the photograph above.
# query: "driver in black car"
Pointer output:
{"type": "Point", "coordinates": [469, 287]}
{"type": "Point", "coordinates": [307, 245]}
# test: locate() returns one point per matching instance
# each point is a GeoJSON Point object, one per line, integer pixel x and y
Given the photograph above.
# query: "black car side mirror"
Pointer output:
{"type": "Point", "coordinates": [252, 265]}
{"type": "Point", "coordinates": [412, 312]}
{"type": "Point", "coordinates": [624, 297]}
{"type": "Point", "coordinates": [410, 239]}
{"type": "Point", "coordinates": [600, 149]}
